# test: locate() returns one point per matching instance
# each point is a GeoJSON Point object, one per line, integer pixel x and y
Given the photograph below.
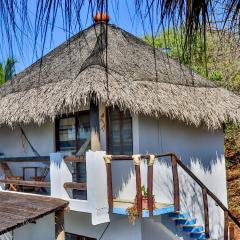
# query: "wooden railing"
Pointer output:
{"type": "Point", "coordinates": [15, 181]}
{"type": "Point", "coordinates": [75, 185]}
{"type": "Point", "coordinates": [74, 159]}
{"type": "Point", "coordinates": [45, 159]}
{"type": "Point", "coordinates": [175, 162]}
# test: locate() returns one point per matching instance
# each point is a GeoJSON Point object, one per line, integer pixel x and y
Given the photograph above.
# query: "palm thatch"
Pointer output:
{"type": "Point", "coordinates": [118, 69]}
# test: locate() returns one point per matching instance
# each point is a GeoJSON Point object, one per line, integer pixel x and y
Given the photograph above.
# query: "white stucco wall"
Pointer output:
{"type": "Point", "coordinates": [118, 229]}
{"type": "Point", "coordinates": [43, 229]}
{"type": "Point", "coordinates": [154, 229]}
{"type": "Point", "coordinates": [202, 151]}
{"type": "Point", "coordinates": [13, 144]}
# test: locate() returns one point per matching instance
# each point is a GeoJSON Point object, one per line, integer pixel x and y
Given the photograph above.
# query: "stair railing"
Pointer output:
{"type": "Point", "coordinates": [175, 161]}
{"type": "Point", "coordinates": [205, 193]}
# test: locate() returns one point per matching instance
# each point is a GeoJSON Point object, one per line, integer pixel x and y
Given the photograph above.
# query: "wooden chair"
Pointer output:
{"type": "Point", "coordinates": [9, 175]}
{"type": "Point", "coordinates": [42, 177]}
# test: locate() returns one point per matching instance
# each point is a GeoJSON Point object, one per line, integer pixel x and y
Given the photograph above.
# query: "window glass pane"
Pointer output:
{"type": "Point", "coordinates": [67, 134]}
{"type": "Point", "coordinates": [115, 132]}
{"type": "Point", "coordinates": [83, 136]}
{"type": "Point", "coordinates": [120, 132]}
{"type": "Point", "coordinates": [84, 144]}
{"type": "Point", "coordinates": [127, 135]}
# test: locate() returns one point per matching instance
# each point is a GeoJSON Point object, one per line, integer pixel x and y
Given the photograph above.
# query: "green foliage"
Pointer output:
{"type": "Point", "coordinates": [216, 76]}
{"type": "Point", "coordinates": [216, 59]}
{"type": "Point", "coordinates": [7, 71]}
{"type": "Point", "coordinates": [174, 44]}
{"type": "Point", "coordinates": [144, 191]}
{"type": "Point", "coordinates": [232, 144]}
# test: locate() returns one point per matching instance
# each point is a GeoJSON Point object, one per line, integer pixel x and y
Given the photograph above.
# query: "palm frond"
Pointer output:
{"type": "Point", "coordinates": [18, 21]}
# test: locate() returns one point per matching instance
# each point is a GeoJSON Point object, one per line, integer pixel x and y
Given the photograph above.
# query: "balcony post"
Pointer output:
{"type": "Point", "coordinates": [137, 162]}
{"type": "Point", "coordinates": [175, 183]}
{"type": "Point", "coordinates": [206, 213]}
{"type": "Point", "coordinates": [108, 159]}
{"type": "Point", "coordinates": [150, 184]}
{"type": "Point", "coordinates": [226, 225]}
{"type": "Point", "coordinates": [232, 231]}
{"type": "Point", "coordinates": [94, 126]}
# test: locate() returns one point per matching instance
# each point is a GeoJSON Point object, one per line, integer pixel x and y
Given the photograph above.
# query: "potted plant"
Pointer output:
{"type": "Point", "coordinates": [144, 197]}
{"type": "Point", "coordinates": [132, 211]}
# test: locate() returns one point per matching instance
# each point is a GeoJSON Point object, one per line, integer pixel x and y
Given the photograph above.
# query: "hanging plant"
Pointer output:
{"type": "Point", "coordinates": [133, 212]}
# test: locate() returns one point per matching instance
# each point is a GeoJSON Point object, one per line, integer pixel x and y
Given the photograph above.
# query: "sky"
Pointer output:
{"type": "Point", "coordinates": [27, 53]}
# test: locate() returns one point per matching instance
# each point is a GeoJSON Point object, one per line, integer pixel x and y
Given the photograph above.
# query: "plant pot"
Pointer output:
{"type": "Point", "coordinates": [144, 202]}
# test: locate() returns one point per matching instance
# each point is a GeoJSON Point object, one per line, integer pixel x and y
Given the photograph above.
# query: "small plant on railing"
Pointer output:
{"type": "Point", "coordinates": [144, 197]}
{"type": "Point", "coordinates": [132, 211]}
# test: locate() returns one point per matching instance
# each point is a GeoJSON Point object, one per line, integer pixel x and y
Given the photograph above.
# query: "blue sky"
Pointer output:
{"type": "Point", "coordinates": [26, 55]}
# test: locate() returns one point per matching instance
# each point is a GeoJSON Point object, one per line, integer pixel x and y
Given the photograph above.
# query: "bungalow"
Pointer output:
{"type": "Point", "coordinates": [106, 95]}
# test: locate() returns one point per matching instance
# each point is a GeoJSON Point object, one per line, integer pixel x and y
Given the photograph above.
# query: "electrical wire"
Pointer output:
{"type": "Point", "coordinates": [104, 231]}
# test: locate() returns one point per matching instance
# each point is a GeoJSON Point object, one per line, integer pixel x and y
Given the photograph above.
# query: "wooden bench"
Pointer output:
{"type": "Point", "coordinates": [26, 183]}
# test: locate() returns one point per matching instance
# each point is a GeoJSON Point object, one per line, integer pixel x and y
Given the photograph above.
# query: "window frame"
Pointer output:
{"type": "Point", "coordinates": [107, 110]}
{"type": "Point", "coordinates": [70, 115]}
{"type": "Point", "coordinates": [80, 236]}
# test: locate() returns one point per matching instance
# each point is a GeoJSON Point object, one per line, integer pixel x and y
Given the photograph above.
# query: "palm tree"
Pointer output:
{"type": "Point", "coordinates": [7, 71]}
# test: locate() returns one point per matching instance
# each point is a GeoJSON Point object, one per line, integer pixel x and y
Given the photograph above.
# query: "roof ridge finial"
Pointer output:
{"type": "Point", "coordinates": [101, 17]}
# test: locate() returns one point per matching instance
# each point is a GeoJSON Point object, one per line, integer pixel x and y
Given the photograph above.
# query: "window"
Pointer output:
{"type": "Point", "coordinates": [73, 133]}
{"type": "Point", "coordinates": [73, 136]}
{"type": "Point", "coordinates": [120, 132]}
{"type": "Point", "coordinates": [70, 236]}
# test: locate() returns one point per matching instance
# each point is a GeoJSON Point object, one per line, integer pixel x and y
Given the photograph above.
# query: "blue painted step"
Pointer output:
{"type": "Point", "coordinates": [188, 225]}
{"type": "Point", "coordinates": [178, 215]}
{"type": "Point", "coordinates": [185, 221]}
{"type": "Point", "coordinates": [192, 228]}
{"type": "Point", "coordinates": [198, 235]}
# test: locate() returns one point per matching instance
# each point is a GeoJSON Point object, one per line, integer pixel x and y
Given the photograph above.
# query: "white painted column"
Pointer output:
{"type": "Point", "coordinates": [97, 187]}
{"type": "Point", "coordinates": [59, 174]}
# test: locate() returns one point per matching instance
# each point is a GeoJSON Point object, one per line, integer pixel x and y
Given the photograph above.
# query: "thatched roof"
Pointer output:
{"type": "Point", "coordinates": [18, 209]}
{"type": "Point", "coordinates": [69, 75]}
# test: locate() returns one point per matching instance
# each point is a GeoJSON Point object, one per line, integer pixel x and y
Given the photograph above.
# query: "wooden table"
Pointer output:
{"type": "Point", "coordinates": [33, 168]}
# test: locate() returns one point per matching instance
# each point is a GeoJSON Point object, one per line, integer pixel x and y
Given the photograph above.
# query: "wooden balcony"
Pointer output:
{"type": "Point", "coordinates": [25, 174]}
{"type": "Point", "coordinates": [122, 206]}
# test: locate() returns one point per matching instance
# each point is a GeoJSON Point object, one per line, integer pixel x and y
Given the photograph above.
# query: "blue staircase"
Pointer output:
{"type": "Point", "coordinates": [188, 225]}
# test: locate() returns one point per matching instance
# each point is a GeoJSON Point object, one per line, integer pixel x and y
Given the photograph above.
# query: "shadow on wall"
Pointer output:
{"type": "Point", "coordinates": [214, 176]}
{"type": "Point", "coordinates": [191, 193]}
{"type": "Point", "coordinates": [124, 180]}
